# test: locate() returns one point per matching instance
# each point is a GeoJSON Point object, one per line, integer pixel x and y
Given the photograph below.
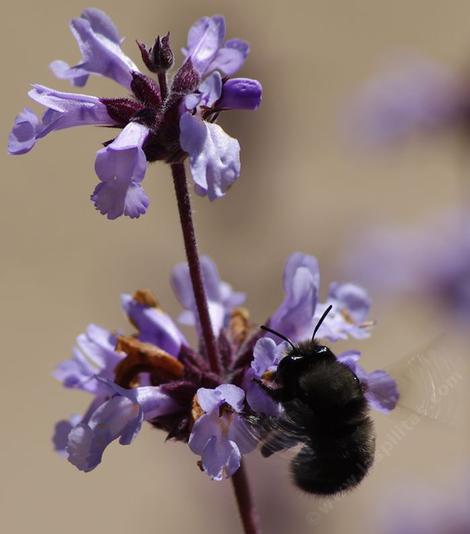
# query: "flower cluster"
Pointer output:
{"type": "Point", "coordinates": [154, 375]}
{"type": "Point", "coordinates": [161, 121]}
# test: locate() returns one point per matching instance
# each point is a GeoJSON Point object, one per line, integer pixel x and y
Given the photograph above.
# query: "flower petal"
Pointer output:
{"type": "Point", "coordinates": [66, 110]}
{"type": "Point", "coordinates": [230, 57]}
{"type": "Point", "coordinates": [121, 166]}
{"type": "Point", "coordinates": [76, 75]}
{"type": "Point", "coordinates": [102, 24]}
{"type": "Point", "coordinates": [294, 318]}
{"type": "Point", "coordinates": [94, 355]}
{"type": "Point", "coordinates": [154, 325]}
{"type": "Point", "coordinates": [117, 417]}
{"type": "Point", "coordinates": [221, 298]}
{"type": "Point", "coordinates": [220, 457]}
{"type": "Point", "coordinates": [79, 448]}
{"type": "Point", "coordinates": [349, 358]}
{"type": "Point", "coordinates": [203, 430]}
{"type": "Point", "coordinates": [214, 156]}
{"type": "Point", "coordinates": [210, 89]}
{"type": "Point", "coordinates": [266, 354]}
{"type": "Point", "coordinates": [382, 392]}
{"type": "Point", "coordinates": [351, 306]}
{"type": "Point", "coordinates": [61, 433]}
{"type": "Point", "coordinates": [205, 37]}
{"type": "Point", "coordinates": [241, 434]}
{"type": "Point", "coordinates": [24, 133]}
{"type": "Point", "coordinates": [100, 46]}
{"type": "Point", "coordinates": [240, 93]}
{"type": "Point", "coordinates": [209, 399]}
{"type": "Point", "coordinates": [232, 395]}
{"type": "Point", "coordinates": [351, 297]}
{"type": "Point", "coordinates": [258, 399]}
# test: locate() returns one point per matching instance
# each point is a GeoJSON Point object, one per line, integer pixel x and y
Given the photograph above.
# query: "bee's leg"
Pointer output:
{"type": "Point", "coordinates": [277, 394]}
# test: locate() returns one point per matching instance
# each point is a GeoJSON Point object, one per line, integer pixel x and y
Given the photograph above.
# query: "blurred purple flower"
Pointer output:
{"type": "Point", "coordinates": [157, 123]}
{"type": "Point", "coordinates": [431, 261]}
{"type": "Point", "coordinates": [221, 436]}
{"type": "Point", "coordinates": [426, 510]}
{"type": "Point", "coordinates": [417, 96]}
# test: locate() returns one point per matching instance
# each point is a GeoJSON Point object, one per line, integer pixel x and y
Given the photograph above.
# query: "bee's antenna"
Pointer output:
{"type": "Point", "coordinates": [322, 318]}
{"type": "Point", "coordinates": [285, 338]}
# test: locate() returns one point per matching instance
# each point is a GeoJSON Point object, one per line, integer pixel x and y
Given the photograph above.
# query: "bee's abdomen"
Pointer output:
{"type": "Point", "coordinates": [333, 469]}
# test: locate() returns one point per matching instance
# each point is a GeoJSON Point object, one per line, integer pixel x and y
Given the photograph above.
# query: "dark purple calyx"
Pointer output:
{"type": "Point", "coordinates": [121, 110]}
{"type": "Point", "coordinates": [186, 80]}
{"type": "Point", "coordinates": [196, 375]}
{"type": "Point", "coordinates": [146, 91]}
{"type": "Point", "coordinates": [158, 58]}
{"type": "Point", "coordinates": [147, 117]}
{"type": "Point", "coordinates": [153, 107]}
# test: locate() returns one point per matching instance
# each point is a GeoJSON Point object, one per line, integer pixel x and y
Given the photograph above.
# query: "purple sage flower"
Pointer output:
{"type": "Point", "coordinates": [221, 436]}
{"type": "Point", "coordinates": [100, 44]}
{"type": "Point", "coordinates": [300, 311]}
{"type": "Point", "coordinates": [153, 324]}
{"type": "Point", "coordinates": [94, 355]}
{"type": "Point", "coordinates": [154, 375]}
{"type": "Point", "coordinates": [119, 417]}
{"type": "Point", "coordinates": [415, 96]}
{"type": "Point", "coordinates": [431, 261]}
{"type": "Point", "coordinates": [159, 122]}
{"type": "Point", "coordinates": [425, 510]}
{"type": "Point", "coordinates": [207, 50]}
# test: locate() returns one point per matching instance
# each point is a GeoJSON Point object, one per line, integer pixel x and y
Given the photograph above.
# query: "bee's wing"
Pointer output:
{"type": "Point", "coordinates": [433, 382]}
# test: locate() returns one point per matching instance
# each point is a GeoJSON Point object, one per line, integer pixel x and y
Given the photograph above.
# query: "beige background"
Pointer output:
{"type": "Point", "coordinates": [302, 188]}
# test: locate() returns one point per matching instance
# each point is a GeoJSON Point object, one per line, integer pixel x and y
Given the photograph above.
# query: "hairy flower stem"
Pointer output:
{"type": "Point", "coordinates": [245, 501]}
{"type": "Point", "coordinates": [190, 245]}
{"type": "Point", "coordinates": [163, 85]}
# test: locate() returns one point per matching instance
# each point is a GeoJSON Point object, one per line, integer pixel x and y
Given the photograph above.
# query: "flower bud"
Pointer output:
{"type": "Point", "coordinates": [160, 57]}
{"type": "Point", "coordinates": [162, 54]}
{"type": "Point", "coordinates": [240, 93]}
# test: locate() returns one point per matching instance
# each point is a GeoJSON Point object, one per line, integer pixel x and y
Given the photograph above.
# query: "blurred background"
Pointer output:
{"type": "Point", "coordinates": [304, 186]}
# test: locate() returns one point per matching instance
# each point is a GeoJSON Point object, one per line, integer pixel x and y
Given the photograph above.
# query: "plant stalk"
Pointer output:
{"type": "Point", "coordinates": [240, 483]}
{"type": "Point", "coordinates": [190, 245]}
{"type": "Point", "coordinates": [245, 502]}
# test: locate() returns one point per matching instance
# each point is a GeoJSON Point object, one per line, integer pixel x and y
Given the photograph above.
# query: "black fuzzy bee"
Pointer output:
{"type": "Point", "coordinates": [324, 409]}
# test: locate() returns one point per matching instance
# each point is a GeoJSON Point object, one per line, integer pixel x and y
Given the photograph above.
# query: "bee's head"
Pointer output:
{"type": "Point", "coordinates": [313, 373]}
{"type": "Point", "coordinates": [301, 359]}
